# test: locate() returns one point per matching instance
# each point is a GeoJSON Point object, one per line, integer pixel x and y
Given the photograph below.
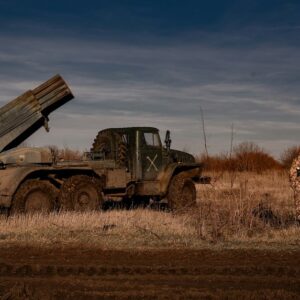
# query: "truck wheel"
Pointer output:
{"type": "Point", "coordinates": [81, 193]}
{"type": "Point", "coordinates": [182, 193]}
{"type": "Point", "coordinates": [103, 146]}
{"type": "Point", "coordinates": [110, 143]}
{"type": "Point", "coordinates": [103, 143]}
{"type": "Point", "coordinates": [122, 153]}
{"type": "Point", "coordinates": [34, 196]}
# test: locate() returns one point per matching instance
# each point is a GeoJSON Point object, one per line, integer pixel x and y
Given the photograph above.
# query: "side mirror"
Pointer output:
{"type": "Point", "coordinates": [168, 140]}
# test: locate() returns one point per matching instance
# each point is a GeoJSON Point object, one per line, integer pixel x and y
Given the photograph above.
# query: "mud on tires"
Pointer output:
{"type": "Point", "coordinates": [34, 196]}
{"type": "Point", "coordinates": [81, 193]}
{"type": "Point", "coordinates": [181, 193]}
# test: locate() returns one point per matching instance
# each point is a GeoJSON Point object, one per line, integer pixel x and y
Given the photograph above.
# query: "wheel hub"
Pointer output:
{"type": "Point", "coordinates": [37, 201]}
{"type": "Point", "coordinates": [83, 199]}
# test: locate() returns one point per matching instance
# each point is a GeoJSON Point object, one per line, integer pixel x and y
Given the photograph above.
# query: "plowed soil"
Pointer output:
{"type": "Point", "coordinates": [31, 273]}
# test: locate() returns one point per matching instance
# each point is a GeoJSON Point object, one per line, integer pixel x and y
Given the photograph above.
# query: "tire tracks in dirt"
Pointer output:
{"type": "Point", "coordinates": [9, 270]}
{"type": "Point", "coordinates": [71, 273]}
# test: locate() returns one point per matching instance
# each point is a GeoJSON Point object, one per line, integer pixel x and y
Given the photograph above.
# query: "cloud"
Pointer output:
{"type": "Point", "coordinates": [162, 84]}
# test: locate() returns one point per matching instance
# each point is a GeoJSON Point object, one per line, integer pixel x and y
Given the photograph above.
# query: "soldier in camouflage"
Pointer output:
{"type": "Point", "coordinates": [295, 183]}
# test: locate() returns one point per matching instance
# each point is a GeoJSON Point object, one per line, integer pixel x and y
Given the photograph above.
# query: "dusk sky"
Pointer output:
{"type": "Point", "coordinates": [155, 63]}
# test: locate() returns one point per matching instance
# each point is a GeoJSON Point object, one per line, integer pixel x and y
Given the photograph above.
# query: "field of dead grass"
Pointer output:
{"type": "Point", "coordinates": [237, 210]}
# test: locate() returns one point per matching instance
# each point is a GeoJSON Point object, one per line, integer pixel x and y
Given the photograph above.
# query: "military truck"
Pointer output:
{"type": "Point", "coordinates": [124, 164]}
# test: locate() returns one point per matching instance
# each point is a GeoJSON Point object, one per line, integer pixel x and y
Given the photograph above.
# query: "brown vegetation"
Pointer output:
{"type": "Point", "coordinates": [245, 157]}
{"type": "Point", "coordinates": [65, 154]}
{"type": "Point", "coordinates": [289, 155]}
{"type": "Point", "coordinates": [253, 209]}
{"type": "Point", "coordinates": [248, 206]}
{"type": "Point", "coordinates": [242, 241]}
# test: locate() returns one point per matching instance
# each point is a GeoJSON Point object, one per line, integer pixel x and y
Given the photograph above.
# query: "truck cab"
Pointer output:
{"type": "Point", "coordinates": [139, 149]}
{"type": "Point", "coordinates": [149, 165]}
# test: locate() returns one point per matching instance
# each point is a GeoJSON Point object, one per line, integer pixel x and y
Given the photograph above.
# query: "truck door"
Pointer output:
{"type": "Point", "coordinates": [151, 155]}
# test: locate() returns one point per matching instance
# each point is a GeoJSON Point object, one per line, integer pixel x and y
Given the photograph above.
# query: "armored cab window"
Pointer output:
{"type": "Point", "coordinates": [152, 139]}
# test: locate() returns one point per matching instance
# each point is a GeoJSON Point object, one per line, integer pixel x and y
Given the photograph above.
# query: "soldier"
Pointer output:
{"type": "Point", "coordinates": [295, 183]}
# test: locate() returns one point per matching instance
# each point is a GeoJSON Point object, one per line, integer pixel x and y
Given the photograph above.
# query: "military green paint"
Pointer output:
{"type": "Point", "coordinates": [145, 162]}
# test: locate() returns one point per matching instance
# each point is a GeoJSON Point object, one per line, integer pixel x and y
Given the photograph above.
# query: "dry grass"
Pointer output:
{"type": "Point", "coordinates": [248, 207]}
{"type": "Point", "coordinates": [224, 218]}
{"type": "Point", "coordinates": [114, 229]}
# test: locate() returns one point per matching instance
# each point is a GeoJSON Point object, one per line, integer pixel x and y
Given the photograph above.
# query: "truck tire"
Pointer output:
{"type": "Point", "coordinates": [111, 144]}
{"type": "Point", "coordinates": [103, 143]}
{"type": "Point", "coordinates": [34, 196]}
{"type": "Point", "coordinates": [81, 193]}
{"type": "Point", "coordinates": [295, 184]}
{"type": "Point", "coordinates": [122, 154]}
{"type": "Point", "coordinates": [181, 193]}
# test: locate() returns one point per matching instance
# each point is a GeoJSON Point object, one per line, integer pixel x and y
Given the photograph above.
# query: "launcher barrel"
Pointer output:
{"type": "Point", "coordinates": [24, 115]}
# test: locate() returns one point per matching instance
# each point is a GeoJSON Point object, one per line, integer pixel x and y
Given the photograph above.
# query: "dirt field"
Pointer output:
{"type": "Point", "coordinates": [219, 251]}
{"type": "Point", "coordinates": [32, 273]}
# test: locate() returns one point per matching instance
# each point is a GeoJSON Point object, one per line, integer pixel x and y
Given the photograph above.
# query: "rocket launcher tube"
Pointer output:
{"type": "Point", "coordinates": [24, 115]}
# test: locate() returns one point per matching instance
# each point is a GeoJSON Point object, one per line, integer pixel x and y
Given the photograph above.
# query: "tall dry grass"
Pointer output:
{"type": "Point", "coordinates": [117, 229]}
{"type": "Point", "coordinates": [249, 210]}
{"type": "Point", "coordinates": [247, 206]}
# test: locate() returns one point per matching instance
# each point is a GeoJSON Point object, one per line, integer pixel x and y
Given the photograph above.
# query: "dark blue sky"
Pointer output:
{"type": "Point", "coordinates": [155, 63]}
{"type": "Point", "coordinates": [158, 18]}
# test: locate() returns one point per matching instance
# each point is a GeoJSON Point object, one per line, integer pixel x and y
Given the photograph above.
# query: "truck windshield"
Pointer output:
{"type": "Point", "coordinates": [152, 139]}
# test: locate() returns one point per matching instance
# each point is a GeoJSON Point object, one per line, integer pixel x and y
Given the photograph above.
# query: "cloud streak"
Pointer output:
{"type": "Point", "coordinates": [119, 83]}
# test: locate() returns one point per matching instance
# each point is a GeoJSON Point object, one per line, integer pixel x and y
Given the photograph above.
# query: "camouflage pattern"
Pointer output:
{"type": "Point", "coordinates": [295, 184]}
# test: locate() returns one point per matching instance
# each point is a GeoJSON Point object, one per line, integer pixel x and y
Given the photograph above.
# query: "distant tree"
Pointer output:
{"type": "Point", "coordinates": [64, 153]}
{"type": "Point", "coordinates": [245, 157]}
{"type": "Point", "coordinates": [250, 157]}
{"type": "Point", "coordinates": [288, 155]}
{"type": "Point", "coordinates": [217, 162]}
